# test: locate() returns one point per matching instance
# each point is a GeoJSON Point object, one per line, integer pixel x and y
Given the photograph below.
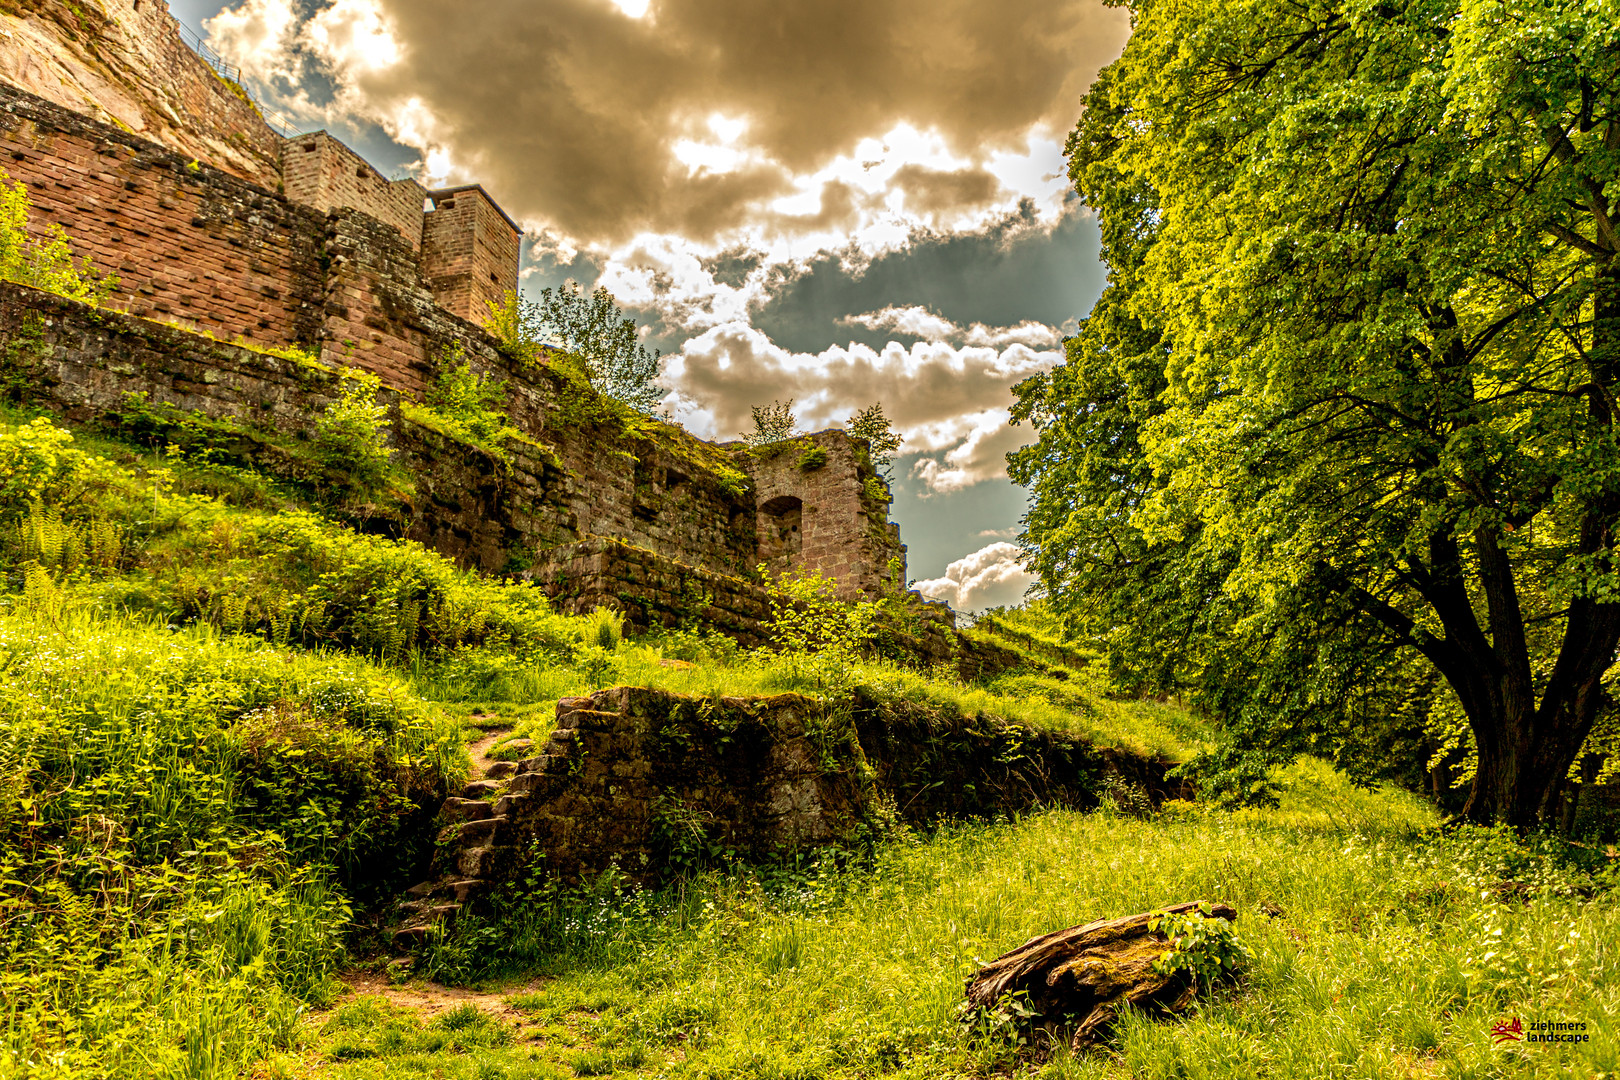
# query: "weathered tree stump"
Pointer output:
{"type": "Point", "coordinates": [1085, 973]}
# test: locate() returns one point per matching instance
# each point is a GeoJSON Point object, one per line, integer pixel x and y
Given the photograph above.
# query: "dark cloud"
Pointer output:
{"type": "Point", "coordinates": [733, 267]}
{"type": "Point", "coordinates": [1001, 277]}
{"type": "Point", "coordinates": [571, 111]}
{"type": "Point", "coordinates": [936, 191]}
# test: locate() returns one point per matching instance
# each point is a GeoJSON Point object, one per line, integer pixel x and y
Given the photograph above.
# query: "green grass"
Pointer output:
{"type": "Point", "coordinates": [191, 818]}
{"type": "Point", "coordinates": [1390, 951]}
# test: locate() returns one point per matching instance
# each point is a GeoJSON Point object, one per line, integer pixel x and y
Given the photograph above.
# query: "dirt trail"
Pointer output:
{"type": "Point", "coordinates": [431, 999]}
{"type": "Point", "coordinates": [479, 751]}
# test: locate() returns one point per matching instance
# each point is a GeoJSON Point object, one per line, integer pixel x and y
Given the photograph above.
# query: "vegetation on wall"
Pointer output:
{"type": "Point", "coordinates": [591, 331]}
{"type": "Point", "coordinates": [773, 423]}
{"type": "Point", "coordinates": [44, 262]}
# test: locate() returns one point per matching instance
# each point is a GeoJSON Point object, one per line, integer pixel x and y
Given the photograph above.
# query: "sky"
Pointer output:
{"type": "Point", "coordinates": [839, 202]}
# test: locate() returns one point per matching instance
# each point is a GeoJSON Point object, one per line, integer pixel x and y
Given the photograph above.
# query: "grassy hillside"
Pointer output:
{"type": "Point", "coordinates": [227, 721]}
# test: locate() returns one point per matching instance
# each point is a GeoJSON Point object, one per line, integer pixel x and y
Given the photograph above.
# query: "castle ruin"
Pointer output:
{"type": "Point", "coordinates": [228, 239]}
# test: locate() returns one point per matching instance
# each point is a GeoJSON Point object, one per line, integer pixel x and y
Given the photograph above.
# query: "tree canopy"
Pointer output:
{"type": "Point", "coordinates": [589, 327]}
{"type": "Point", "coordinates": [1340, 430]}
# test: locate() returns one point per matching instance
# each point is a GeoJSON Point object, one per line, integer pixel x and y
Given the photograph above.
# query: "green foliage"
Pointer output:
{"type": "Point", "coordinates": [466, 405]}
{"type": "Point", "coordinates": [773, 423]}
{"type": "Point", "coordinates": [44, 263]}
{"type": "Point", "coordinates": [178, 810]}
{"type": "Point", "coordinates": [589, 328]}
{"type": "Point", "coordinates": [351, 436]}
{"type": "Point", "coordinates": [881, 438]}
{"type": "Point", "coordinates": [819, 635]}
{"type": "Point", "coordinates": [813, 458]}
{"type": "Point", "coordinates": [1338, 428]}
{"type": "Point", "coordinates": [1205, 947]}
{"type": "Point", "coordinates": [40, 465]}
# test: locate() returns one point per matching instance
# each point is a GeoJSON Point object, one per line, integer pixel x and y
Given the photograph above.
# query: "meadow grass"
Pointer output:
{"type": "Point", "coordinates": [1382, 948]}
{"type": "Point", "coordinates": [187, 817]}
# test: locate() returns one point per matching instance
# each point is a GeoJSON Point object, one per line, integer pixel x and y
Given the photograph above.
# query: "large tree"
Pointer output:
{"type": "Point", "coordinates": [1350, 395]}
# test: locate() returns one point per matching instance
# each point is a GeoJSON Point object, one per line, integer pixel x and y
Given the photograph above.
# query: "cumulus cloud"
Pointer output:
{"type": "Point", "coordinates": [704, 117]}
{"type": "Point", "coordinates": [913, 321]}
{"type": "Point", "coordinates": [920, 322]}
{"type": "Point", "coordinates": [981, 455]}
{"type": "Point", "coordinates": [928, 391]}
{"type": "Point", "coordinates": [990, 577]}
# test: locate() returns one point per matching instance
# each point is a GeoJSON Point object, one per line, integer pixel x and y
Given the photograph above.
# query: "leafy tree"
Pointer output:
{"type": "Point", "coordinates": [870, 424]}
{"type": "Point", "coordinates": [590, 327]}
{"type": "Point", "coordinates": [1347, 405]}
{"type": "Point", "coordinates": [772, 423]}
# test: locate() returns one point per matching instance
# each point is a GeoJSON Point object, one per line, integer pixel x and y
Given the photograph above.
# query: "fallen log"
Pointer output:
{"type": "Point", "coordinates": [1083, 975]}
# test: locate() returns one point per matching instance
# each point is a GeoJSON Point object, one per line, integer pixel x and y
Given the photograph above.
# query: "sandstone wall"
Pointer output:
{"type": "Point", "coordinates": [652, 591]}
{"type": "Point", "coordinates": [469, 251]}
{"type": "Point", "coordinates": [123, 62]}
{"type": "Point", "coordinates": [828, 518]}
{"type": "Point", "coordinates": [497, 516]}
{"type": "Point", "coordinates": [649, 782]}
{"type": "Point", "coordinates": [320, 171]}
{"type": "Point", "coordinates": [188, 242]}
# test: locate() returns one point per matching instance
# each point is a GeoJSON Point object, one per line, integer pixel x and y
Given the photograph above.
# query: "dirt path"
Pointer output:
{"type": "Point", "coordinates": [479, 751]}
{"type": "Point", "coordinates": [431, 999]}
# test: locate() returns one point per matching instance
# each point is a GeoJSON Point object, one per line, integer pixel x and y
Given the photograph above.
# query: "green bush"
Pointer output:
{"type": "Point", "coordinates": [465, 405]}
{"type": "Point", "coordinates": [351, 436]}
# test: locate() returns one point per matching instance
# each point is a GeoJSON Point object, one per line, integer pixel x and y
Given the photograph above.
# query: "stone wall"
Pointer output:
{"type": "Point", "coordinates": [830, 518]}
{"type": "Point", "coordinates": [321, 172]}
{"type": "Point", "coordinates": [469, 251]}
{"type": "Point", "coordinates": [649, 781]}
{"type": "Point", "coordinates": [652, 591]}
{"type": "Point", "coordinates": [495, 515]}
{"type": "Point", "coordinates": [189, 243]}
{"type": "Point", "coordinates": [123, 62]}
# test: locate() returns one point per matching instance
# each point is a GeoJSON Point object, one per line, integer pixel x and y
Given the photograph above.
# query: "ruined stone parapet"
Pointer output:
{"type": "Point", "coordinates": [821, 507]}
{"type": "Point", "coordinates": [646, 782]}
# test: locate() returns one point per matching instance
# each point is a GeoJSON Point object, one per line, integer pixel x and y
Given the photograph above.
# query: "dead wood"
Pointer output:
{"type": "Point", "coordinates": [1082, 975]}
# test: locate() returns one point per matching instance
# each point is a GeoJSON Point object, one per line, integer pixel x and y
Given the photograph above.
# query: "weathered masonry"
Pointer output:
{"type": "Point", "coordinates": [229, 233]}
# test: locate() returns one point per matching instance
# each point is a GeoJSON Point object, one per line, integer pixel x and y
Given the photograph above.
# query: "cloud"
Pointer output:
{"type": "Point", "coordinates": [981, 456]}
{"type": "Point", "coordinates": [913, 321]}
{"type": "Point", "coordinates": [710, 119]}
{"type": "Point", "coordinates": [990, 577]}
{"type": "Point", "coordinates": [934, 393]}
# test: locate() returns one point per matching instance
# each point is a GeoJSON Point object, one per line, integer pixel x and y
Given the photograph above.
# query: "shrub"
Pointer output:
{"type": "Point", "coordinates": [813, 458]}
{"type": "Point", "coordinates": [464, 403]}
{"type": "Point", "coordinates": [773, 423]}
{"type": "Point", "coordinates": [43, 263]}
{"type": "Point", "coordinates": [351, 436]}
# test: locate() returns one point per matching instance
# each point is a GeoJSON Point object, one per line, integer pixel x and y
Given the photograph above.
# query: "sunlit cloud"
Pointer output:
{"type": "Point", "coordinates": [993, 576]}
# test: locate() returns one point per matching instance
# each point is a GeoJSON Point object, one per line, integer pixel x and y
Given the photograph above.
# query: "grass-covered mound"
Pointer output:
{"type": "Point", "coordinates": [183, 821]}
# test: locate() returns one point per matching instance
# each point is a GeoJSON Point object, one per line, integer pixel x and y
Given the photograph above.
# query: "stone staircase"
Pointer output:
{"type": "Point", "coordinates": [477, 840]}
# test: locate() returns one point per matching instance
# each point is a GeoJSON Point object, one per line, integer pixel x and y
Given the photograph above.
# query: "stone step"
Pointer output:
{"type": "Point", "coordinates": [508, 803]}
{"type": "Point", "coordinates": [478, 789]}
{"type": "Point", "coordinates": [482, 833]}
{"type": "Point", "coordinates": [485, 862]}
{"type": "Point", "coordinates": [500, 770]}
{"type": "Point", "coordinates": [465, 809]}
{"type": "Point", "coordinates": [430, 910]}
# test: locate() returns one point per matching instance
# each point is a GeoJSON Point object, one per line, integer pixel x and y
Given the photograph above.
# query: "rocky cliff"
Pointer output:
{"type": "Point", "coordinates": [122, 62]}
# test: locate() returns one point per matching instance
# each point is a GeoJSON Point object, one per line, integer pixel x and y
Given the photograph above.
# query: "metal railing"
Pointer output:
{"type": "Point", "coordinates": [277, 121]}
